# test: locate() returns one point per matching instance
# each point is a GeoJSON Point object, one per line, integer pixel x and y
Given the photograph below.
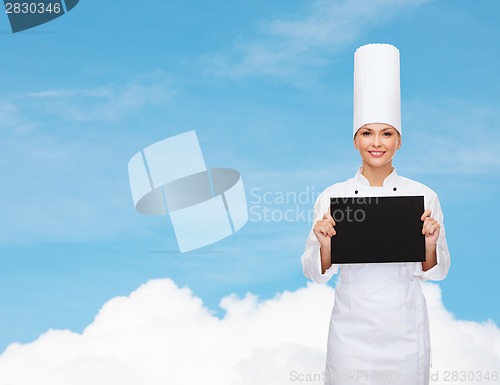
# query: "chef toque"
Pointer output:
{"type": "Point", "coordinates": [376, 86]}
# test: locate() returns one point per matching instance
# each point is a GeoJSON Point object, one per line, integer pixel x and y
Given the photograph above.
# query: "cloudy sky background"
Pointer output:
{"type": "Point", "coordinates": [268, 88]}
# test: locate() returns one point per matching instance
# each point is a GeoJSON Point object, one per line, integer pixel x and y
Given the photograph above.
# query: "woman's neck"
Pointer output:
{"type": "Point", "coordinates": [376, 175]}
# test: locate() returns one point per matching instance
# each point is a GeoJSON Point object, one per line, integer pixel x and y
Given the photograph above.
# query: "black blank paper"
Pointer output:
{"type": "Point", "coordinates": [378, 229]}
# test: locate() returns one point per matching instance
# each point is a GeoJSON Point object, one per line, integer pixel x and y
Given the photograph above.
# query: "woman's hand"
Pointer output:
{"type": "Point", "coordinates": [324, 230]}
{"type": "Point", "coordinates": [430, 229]}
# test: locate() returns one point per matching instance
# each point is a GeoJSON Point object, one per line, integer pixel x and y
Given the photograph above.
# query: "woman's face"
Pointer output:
{"type": "Point", "coordinates": [377, 143]}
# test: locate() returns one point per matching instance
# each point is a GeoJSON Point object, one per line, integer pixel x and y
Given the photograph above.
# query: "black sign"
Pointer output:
{"type": "Point", "coordinates": [378, 229]}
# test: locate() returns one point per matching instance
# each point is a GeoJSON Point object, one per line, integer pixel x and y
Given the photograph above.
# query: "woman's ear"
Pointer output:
{"type": "Point", "coordinates": [354, 141]}
{"type": "Point", "coordinates": [400, 141]}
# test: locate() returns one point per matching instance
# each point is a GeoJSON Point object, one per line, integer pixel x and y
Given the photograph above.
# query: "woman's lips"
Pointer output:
{"type": "Point", "coordinates": [377, 154]}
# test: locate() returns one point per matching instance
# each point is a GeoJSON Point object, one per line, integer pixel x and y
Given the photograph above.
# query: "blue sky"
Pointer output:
{"type": "Point", "coordinates": [268, 88]}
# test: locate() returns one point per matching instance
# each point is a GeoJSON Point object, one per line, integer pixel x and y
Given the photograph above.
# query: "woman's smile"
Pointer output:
{"type": "Point", "coordinates": [376, 154]}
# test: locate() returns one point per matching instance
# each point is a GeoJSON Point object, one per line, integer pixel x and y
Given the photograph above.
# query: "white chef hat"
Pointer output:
{"type": "Point", "coordinates": [377, 96]}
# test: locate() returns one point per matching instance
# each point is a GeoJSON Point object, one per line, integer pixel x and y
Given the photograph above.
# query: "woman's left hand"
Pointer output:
{"type": "Point", "coordinates": [430, 229]}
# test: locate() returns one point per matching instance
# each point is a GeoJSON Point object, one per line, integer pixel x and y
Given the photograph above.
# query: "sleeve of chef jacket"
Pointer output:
{"type": "Point", "coordinates": [439, 271]}
{"type": "Point", "coordinates": [311, 259]}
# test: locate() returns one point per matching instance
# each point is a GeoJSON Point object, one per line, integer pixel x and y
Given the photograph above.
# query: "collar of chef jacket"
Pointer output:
{"type": "Point", "coordinates": [390, 185]}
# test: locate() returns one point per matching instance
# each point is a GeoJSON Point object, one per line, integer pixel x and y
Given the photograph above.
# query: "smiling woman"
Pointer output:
{"type": "Point", "coordinates": [379, 330]}
{"type": "Point", "coordinates": [377, 144]}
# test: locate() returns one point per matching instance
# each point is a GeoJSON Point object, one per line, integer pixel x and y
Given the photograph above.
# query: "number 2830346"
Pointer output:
{"type": "Point", "coordinates": [33, 8]}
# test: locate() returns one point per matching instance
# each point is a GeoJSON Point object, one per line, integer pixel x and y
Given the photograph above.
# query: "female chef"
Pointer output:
{"type": "Point", "coordinates": [379, 331]}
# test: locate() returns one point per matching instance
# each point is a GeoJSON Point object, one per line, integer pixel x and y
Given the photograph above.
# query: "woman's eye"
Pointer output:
{"type": "Point", "coordinates": [387, 133]}
{"type": "Point", "coordinates": [366, 133]}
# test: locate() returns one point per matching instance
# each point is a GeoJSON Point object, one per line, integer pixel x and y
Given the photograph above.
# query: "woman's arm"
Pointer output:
{"type": "Point", "coordinates": [326, 258]}
{"type": "Point", "coordinates": [430, 258]}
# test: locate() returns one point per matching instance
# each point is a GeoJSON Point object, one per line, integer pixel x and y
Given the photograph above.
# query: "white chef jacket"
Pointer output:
{"type": "Point", "coordinates": [379, 331]}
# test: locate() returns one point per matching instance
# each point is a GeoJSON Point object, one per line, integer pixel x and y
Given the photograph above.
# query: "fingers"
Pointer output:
{"type": "Point", "coordinates": [329, 218]}
{"type": "Point", "coordinates": [427, 213]}
{"type": "Point", "coordinates": [430, 226]}
{"type": "Point", "coordinates": [434, 227]}
{"type": "Point", "coordinates": [325, 226]}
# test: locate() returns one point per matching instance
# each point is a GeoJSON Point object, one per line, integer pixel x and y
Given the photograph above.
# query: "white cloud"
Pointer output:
{"type": "Point", "coordinates": [460, 345]}
{"type": "Point", "coordinates": [286, 48]}
{"type": "Point", "coordinates": [162, 334]}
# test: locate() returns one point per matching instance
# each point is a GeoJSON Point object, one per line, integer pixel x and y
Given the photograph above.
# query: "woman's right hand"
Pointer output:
{"type": "Point", "coordinates": [324, 230]}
